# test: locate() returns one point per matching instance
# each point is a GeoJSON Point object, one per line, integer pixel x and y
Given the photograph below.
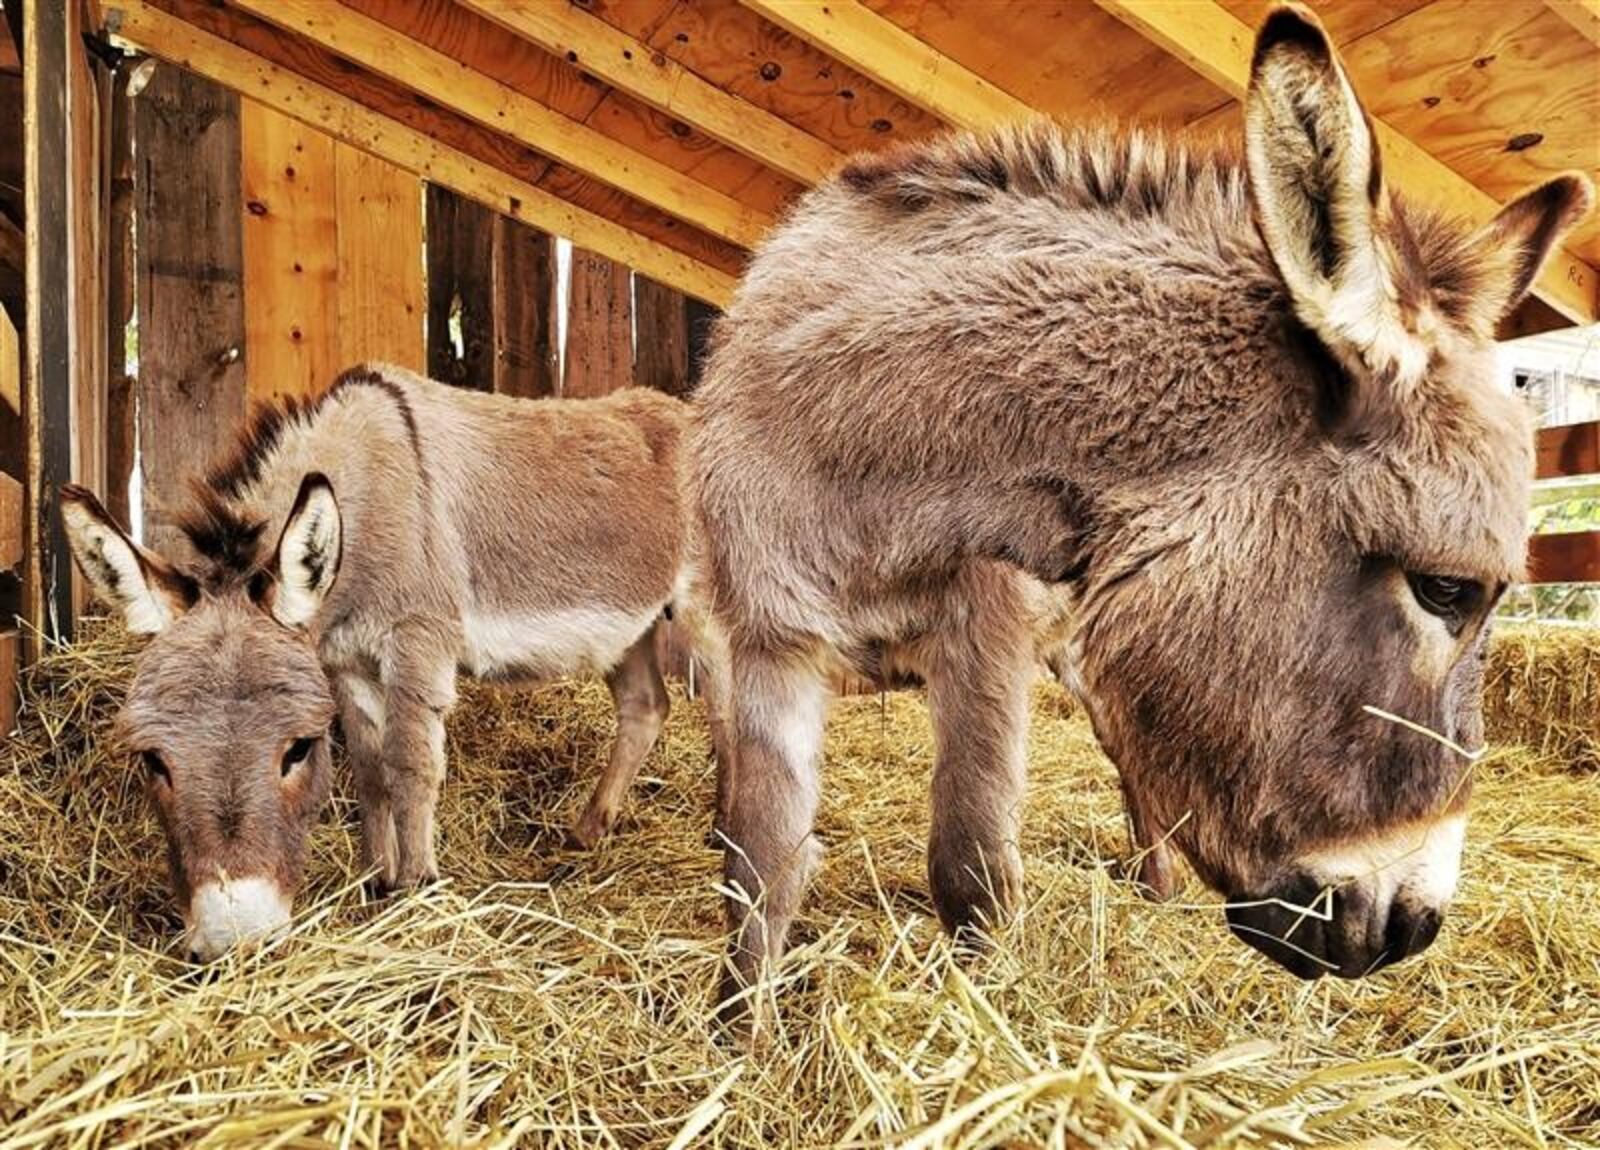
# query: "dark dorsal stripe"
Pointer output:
{"type": "Point", "coordinates": [222, 534]}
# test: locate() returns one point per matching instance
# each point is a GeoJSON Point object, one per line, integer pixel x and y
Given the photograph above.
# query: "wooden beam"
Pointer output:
{"type": "Point", "coordinates": [1216, 44]}
{"type": "Point", "coordinates": [1567, 557]}
{"type": "Point", "coordinates": [1565, 452]}
{"type": "Point", "coordinates": [889, 55]}
{"type": "Point", "coordinates": [1584, 15]}
{"type": "Point", "coordinates": [47, 377]}
{"type": "Point", "coordinates": [138, 24]}
{"type": "Point", "coordinates": [636, 68]}
{"type": "Point", "coordinates": [501, 108]}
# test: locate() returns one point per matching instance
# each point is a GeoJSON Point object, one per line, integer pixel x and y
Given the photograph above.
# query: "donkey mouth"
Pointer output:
{"type": "Point", "coordinates": [1311, 930]}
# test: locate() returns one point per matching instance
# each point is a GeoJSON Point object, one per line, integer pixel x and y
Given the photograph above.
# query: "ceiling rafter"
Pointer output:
{"type": "Point", "coordinates": [1218, 45]}
{"type": "Point", "coordinates": [1584, 15]}
{"type": "Point", "coordinates": [652, 77]}
{"type": "Point", "coordinates": [888, 55]}
{"type": "Point", "coordinates": [139, 25]}
{"type": "Point", "coordinates": [452, 85]}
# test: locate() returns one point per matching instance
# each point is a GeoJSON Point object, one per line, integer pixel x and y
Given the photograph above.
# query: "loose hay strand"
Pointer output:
{"type": "Point", "coordinates": [546, 997]}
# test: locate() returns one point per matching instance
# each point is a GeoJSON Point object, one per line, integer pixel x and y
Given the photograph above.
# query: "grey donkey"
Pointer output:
{"type": "Point", "coordinates": [352, 556]}
{"type": "Point", "coordinates": [1239, 407]}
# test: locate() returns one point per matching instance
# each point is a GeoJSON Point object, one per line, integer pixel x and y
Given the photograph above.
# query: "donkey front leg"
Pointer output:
{"type": "Point", "coordinates": [640, 695]}
{"type": "Point", "coordinates": [978, 696]}
{"type": "Point", "coordinates": [361, 715]}
{"type": "Point", "coordinates": [777, 713]}
{"type": "Point", "coordinates": [419, 681]}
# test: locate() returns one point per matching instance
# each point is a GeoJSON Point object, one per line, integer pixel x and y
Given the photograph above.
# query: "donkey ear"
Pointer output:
{"type": "Point", "coordinates": [149, 593]}
{"type": "Point", "coordinates": [1525, 232]}
{"type": "Point", "coordinates": [1316, 180]}
{"type": "Point", "coordinates": [309, 551]}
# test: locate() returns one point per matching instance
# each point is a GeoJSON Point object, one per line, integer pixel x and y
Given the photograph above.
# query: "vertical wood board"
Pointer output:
{"type": "Point", "coordinates": [381, 296]}
{"type": "Point", "coordinates": [191, 387]}
{"type": "Point", "coordinates": [525, 337]}
{"type": "Point", "coordinates": [599, 353]}
{"type": "Point", "coordinates": [460, 284]}
{"type": "Point", "coordinates": [291, 254]}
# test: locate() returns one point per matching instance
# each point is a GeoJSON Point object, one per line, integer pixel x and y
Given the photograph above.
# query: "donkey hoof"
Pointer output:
{"type": "Point", "coordinates": [586, 833]}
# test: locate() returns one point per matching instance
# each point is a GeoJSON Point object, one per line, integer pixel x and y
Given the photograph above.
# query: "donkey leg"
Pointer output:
{"type": "Point", "coordinates": [978, 696]}
{"type": "Point", "coordinates": [361, 716]}
{"type": "Point", "coordinates": [640, 695]}
{"type": "Point", "coordinates": [777, 717]}
{"type": "Point", "coordinates": [413, 748]}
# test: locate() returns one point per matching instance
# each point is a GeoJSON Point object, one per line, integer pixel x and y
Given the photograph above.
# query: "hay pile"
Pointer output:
{"type": "Point", "coordinates": [544, 997]}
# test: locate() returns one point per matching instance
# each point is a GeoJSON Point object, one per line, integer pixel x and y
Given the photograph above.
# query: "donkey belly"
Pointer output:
{"type": "Point", "coordinates": [587, 640]}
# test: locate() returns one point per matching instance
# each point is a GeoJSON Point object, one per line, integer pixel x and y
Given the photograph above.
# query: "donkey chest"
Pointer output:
{"type": "Point", "coordinates": [544, 644]}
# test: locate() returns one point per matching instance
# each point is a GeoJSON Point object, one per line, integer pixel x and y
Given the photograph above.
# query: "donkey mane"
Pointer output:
{"type": "Point", "coordinates": [224, 534]}
{"type": "Point", "coordinates": [1143, 172]}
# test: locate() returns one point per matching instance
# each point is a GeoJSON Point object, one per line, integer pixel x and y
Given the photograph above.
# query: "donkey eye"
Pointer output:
{"type": "Point", "coordinates": [296, 754]}
{"type": "Point", "coordinates": [155, 767]}
{"type": "Point", "coordinates": [1444, 596]}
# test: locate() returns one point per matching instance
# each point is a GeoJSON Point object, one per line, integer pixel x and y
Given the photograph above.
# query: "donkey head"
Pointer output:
{"type": "Point", "coordinates": [229, 710]}
{"type": "Point", "coordinates": [1342, 554]}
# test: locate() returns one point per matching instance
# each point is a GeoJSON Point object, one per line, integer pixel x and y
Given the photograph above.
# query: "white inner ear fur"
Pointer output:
{"type": "Point", "coordinates": [112, 566]}
{"type": "Point", "coordinates": [1356, 312]}
{"type": "Point", "coordinates": [308, 558]}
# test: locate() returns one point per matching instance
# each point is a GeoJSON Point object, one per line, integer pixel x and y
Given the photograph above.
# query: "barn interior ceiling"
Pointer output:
{"type": "Point", "coordinates": [669, 134]}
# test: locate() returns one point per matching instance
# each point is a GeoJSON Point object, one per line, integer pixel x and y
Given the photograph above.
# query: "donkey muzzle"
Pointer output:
{"type": "Point", "coordinates": [234, 912]}
{"type": "Point", "coordinates": [1353, 909]}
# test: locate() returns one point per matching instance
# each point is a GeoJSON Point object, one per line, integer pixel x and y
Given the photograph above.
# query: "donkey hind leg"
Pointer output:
{"type": "Point", "coordinates": [640, 695]}
{"type": "Point", "coordinates": [361, 715]}
{"type": "Point", "coordinates": [978, 696]}
{"type": "Point", "coordinates": [777, 713]}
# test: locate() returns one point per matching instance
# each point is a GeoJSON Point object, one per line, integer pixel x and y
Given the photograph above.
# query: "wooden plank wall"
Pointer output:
{"type": "Point", "coordinates": [189, 284]}
{"type": "Point", "coordinates": [333, 257]}
{"type": "Point", "coordinates": [13, 319]}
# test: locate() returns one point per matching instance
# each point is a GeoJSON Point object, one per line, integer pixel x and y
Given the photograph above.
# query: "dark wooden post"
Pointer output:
{"type": "Point", "coordinates": [191, 390]}
{"type": "Point", "coordinates": [599, 327]}
{"type": "Point", "coordinates": [117, 119]}
{"type": "Point", "coordinates": [460, 239]}
{"type": "Point", "coordinates": [47, 379]}
{"type": "Point", "coordinates": [661, 326]}
{"type": "Point", "coordinates": [525, 362]}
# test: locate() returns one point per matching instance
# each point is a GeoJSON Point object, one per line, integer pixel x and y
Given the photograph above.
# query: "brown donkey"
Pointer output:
{"type": "Point", "coordinates": [1243, 409]}
{"type": "Point", "coordinates": [355, 553]}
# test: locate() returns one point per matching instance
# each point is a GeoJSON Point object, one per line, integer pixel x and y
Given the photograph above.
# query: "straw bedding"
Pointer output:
{"type": "Point", "coordinates": [545, 997]}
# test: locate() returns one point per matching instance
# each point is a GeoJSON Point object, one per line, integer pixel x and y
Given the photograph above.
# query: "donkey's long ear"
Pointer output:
{"type": "Point", "coordinates": [1316, 180]}
{"type": "Point", "coordinates": [309, 551]}
{"type": "Point", "coordinates": [1523, 235]}
{"type": "Point", "coordinates": [149, 593]}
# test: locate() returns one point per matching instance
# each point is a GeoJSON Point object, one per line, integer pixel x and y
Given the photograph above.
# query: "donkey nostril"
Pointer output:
{"type": "Point", "coordinates": [194, 956]}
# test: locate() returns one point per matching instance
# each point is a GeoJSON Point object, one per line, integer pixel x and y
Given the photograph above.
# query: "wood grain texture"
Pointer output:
{"type": "Point", "coordinates": [1217, 45]}
{"type": "Point", "coordinates": [10, 665]}
{"type": "Point", "coordinates": [761, 64]}
{"type": "Point", "coordinates": [1124, 76]}
{"type": "Point", "coordinates": [11, 519]}
{"type": "Point", "coordinates": [1345, 20]}
{"type": "Point", "coordinates": [672, 258]}
{"type": "Point", "coordinates": [525, 337]}
{"type": "Point", "coordinates": [1568, 451]}
{"type": "Point", "coordinates": [1570, 557]}
{"type": "Point", "coordinates": [291, 254]}
{"type": "Point", "coordinates": [460, 252]}
{"type": "Point", "coordinates": [1583, 15]}
{"type": "Point", "coordinates": [1506, 94]}
{"type": "Point", "coordinates": [661, 329]}
{"type": "Point", "coordinates": [117, 161]}
{"type": "Point", "coordinates": [630, 56]}
{"type": "Point", "coordinates": [502, 108]}
{"type": "Point", "coordinates": [599, 356]}
{"type": "Point", "coordinates": [380, 290]}
{"type": "Point", "coordinates": [49, 38]}
{"type": "Point", "coordinates": [187, 205]}
{"type": "Point", "coordinates": [87, 256]}
{"type": "Point", "coordinates": [881, 50]}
